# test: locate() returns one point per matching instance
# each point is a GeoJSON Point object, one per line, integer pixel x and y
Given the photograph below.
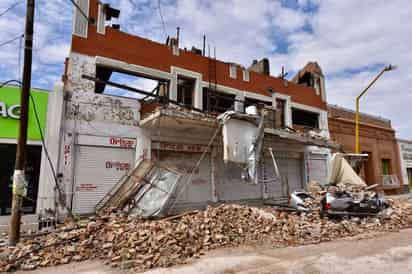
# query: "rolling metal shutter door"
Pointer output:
{"type": "Point", "coordinates": [97, 170]}
{"type": "Point", "coordinates": [317, 169]}
{"type": "Point", "coordinates": [199, 190]}
{"type": "Point", "coordinates": [290, 168]}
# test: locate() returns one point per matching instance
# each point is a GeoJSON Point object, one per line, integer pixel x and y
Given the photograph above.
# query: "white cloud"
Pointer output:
{"type": "Point", "coordinates": [54, 53]}
{"type": "Point", "coordinates": [360, 37]}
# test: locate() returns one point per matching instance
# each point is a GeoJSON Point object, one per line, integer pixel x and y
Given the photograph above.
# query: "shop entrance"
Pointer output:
{"type": "Point", "coordinates": [409, 173]}
{"type": "Point", "coordinates": [32, 169]}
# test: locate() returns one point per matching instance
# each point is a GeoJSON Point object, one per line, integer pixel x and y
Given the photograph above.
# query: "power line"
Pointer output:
{"type": "Point", "coordinates": [10, 8]}
{"type": "Point", "coordinates": [11, 40]}
{"type": "Point", "coordinates": [161, 17]}
{"type": "Point", "coordinates": [10, 81]}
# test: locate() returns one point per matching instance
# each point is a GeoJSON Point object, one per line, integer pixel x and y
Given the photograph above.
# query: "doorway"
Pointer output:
{"type": "Point", "coordinates": [368, 169]}
{"type": "Point", "coordinates": [32, 171]}
{"type": "Point", "coordinates": [409, 173]}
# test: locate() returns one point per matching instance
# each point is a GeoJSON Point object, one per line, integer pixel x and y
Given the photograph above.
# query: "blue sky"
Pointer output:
{"type": "Point", "coordinates": [350, 39]}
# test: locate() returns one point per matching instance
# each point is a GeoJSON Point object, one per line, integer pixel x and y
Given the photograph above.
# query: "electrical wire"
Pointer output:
{"type": "Point", "coordinates": [161, 17]}
{"type": "Point", "coordinates": [10, 8]}
{"type": "Point", "coordinates": [10, 81]}
{"type": "Point", "coordinates": [11, 40]}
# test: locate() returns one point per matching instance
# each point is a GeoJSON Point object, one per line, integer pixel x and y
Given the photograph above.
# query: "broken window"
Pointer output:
{"type": "Point", "coordinates": [280, 108]}
{"type": "Point", "coordinates": [304, 118]}
{"type": "Point", "coordinates": [138, 82]}
{"type": "Point", "coordinates": [217, 102]}
{"type": "Point", "coordinates": [185, 90]}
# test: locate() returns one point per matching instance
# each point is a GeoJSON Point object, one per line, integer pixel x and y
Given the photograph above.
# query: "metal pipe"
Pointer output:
{"type": "Point", "coordinates": [204, 45]}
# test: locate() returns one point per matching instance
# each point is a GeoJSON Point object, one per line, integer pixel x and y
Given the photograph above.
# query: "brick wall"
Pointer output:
{"type": "Point", "coordinates": [338, 112]}
{"type": "Point", "coordinates": [136, 50]}
{"type": "Point", "coordinates": [377, 137]}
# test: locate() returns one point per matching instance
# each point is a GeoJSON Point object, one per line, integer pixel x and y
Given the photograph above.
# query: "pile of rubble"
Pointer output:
{"type": "Point", "coordinates": [127, 242]}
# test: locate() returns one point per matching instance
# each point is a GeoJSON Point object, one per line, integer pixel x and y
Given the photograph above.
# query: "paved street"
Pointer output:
{"type": "Point", "coordinates": [384, 253]}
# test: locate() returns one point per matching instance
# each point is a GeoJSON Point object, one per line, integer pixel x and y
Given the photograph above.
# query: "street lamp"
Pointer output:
{"type": "Point", "coordinates": [387, 68]}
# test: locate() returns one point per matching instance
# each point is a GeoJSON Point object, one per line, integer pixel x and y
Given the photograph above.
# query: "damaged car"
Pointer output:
{"type": "Point", "coordinates": [343, 203]}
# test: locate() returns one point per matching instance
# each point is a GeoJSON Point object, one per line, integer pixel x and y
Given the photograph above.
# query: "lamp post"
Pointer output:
{"type": "Point", "coordinates": [387, 68]}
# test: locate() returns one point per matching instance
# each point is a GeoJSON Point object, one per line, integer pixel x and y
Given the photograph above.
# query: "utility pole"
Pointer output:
{"type": "Point", "coordinates": [19, 184]}
{"type": "Point", "coordinates": [357, 142]}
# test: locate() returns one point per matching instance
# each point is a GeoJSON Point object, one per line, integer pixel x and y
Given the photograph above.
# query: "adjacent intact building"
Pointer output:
{"type": "Point", "coordinates": [405, 148]}
{"type": "Point", "coordinates": [9, 124]}
{"type": "Point", "coordinates": [106, 128]}
{"type": "Point", "coordinates": [377, 140]}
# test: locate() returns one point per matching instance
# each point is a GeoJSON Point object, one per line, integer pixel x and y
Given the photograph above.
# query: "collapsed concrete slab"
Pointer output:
{"type": "Point", "coordinates": [192, 171]}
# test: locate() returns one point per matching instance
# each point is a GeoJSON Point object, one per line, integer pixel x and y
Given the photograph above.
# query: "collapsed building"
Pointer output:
{"type": "Point", "coordinates": [207, 132]}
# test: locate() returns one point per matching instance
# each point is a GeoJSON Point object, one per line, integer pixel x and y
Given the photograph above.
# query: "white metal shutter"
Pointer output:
{"type": "Point", "coordinates": [80, 23]}
{"type": "Point", "coordinates": [317, 169]}
{"type": "Point", "coordinates": [290, 168]}
{"type": "Point", "coordinates": [199, 189]}
{"type": "Point", "coordinates": [97, 170]}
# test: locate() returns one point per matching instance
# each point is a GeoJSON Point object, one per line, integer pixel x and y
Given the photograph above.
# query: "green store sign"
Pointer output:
{"type": "Point", "coordinates": [10, 113]}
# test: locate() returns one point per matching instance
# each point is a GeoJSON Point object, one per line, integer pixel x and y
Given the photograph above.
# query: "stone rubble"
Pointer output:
{"type": "Point", "coordinates": [128, 242]}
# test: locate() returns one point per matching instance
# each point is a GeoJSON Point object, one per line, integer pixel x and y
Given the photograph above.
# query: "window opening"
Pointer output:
{"type": "Point", "coordinates": [185, 90]}
{"type": "Point", "coordinates": [304, 118]}
{"type": "Point", "coordinates": [306, 79]}
{"type": "Point", "coordinates": [246, 76]}
{"type": "Point", "coordinates": [255, 102]}
{"type": "Point", "coordinates": [386, 166]}
{"type": "Point", "coordinates": [409, 172]}
{"type": "Point", "coordinates": [281, 108]}
{"type": "Point", "coordinates": [132, 80]}
{"type": "Point", "coordinates": [232, 71]}
{"type": "Point", "coordinates": [217, 102]}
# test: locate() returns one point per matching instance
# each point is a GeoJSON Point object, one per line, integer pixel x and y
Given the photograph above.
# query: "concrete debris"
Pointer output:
{"type": "Point", "coordinates": [127, 242]}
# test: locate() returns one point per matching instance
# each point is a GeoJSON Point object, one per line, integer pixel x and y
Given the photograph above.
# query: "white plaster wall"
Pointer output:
{"type": "Point", "coordinates": [92, 116]}
{"type": "Point", "coordinates": [238, 137]}
{"type": "Point", "coordinates": [89, 106]}
{"type": "Point", "coordinates": [405, 148]}
{"type": "Point", "coordinates": [46, 192]}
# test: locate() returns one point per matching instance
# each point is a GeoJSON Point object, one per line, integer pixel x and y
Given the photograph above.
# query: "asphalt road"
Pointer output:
{"type": "Point", "coordinates": [374, 254]}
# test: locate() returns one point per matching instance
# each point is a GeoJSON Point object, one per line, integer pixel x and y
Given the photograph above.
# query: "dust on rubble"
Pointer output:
{"type": "Point", "coordinates": [129, 242]}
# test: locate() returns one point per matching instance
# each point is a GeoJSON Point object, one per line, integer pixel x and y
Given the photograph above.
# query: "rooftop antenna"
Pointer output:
{"type": "Point", "coordinates": [283, 74]}
{"type": "Point", "coordinates": [178, 35]}
{"type": "Point", "coordinates": [204, 45]}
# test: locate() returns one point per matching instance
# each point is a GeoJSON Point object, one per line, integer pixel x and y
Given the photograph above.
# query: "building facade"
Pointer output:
{"type": "Point", "coordinates": [9, 124]}
{"type": "Point", "coordinates": [377, 140]}
{"type": "Point", "coordinates": [104, 126]}
{"type": "Point", "coordinates": [405, 148]}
